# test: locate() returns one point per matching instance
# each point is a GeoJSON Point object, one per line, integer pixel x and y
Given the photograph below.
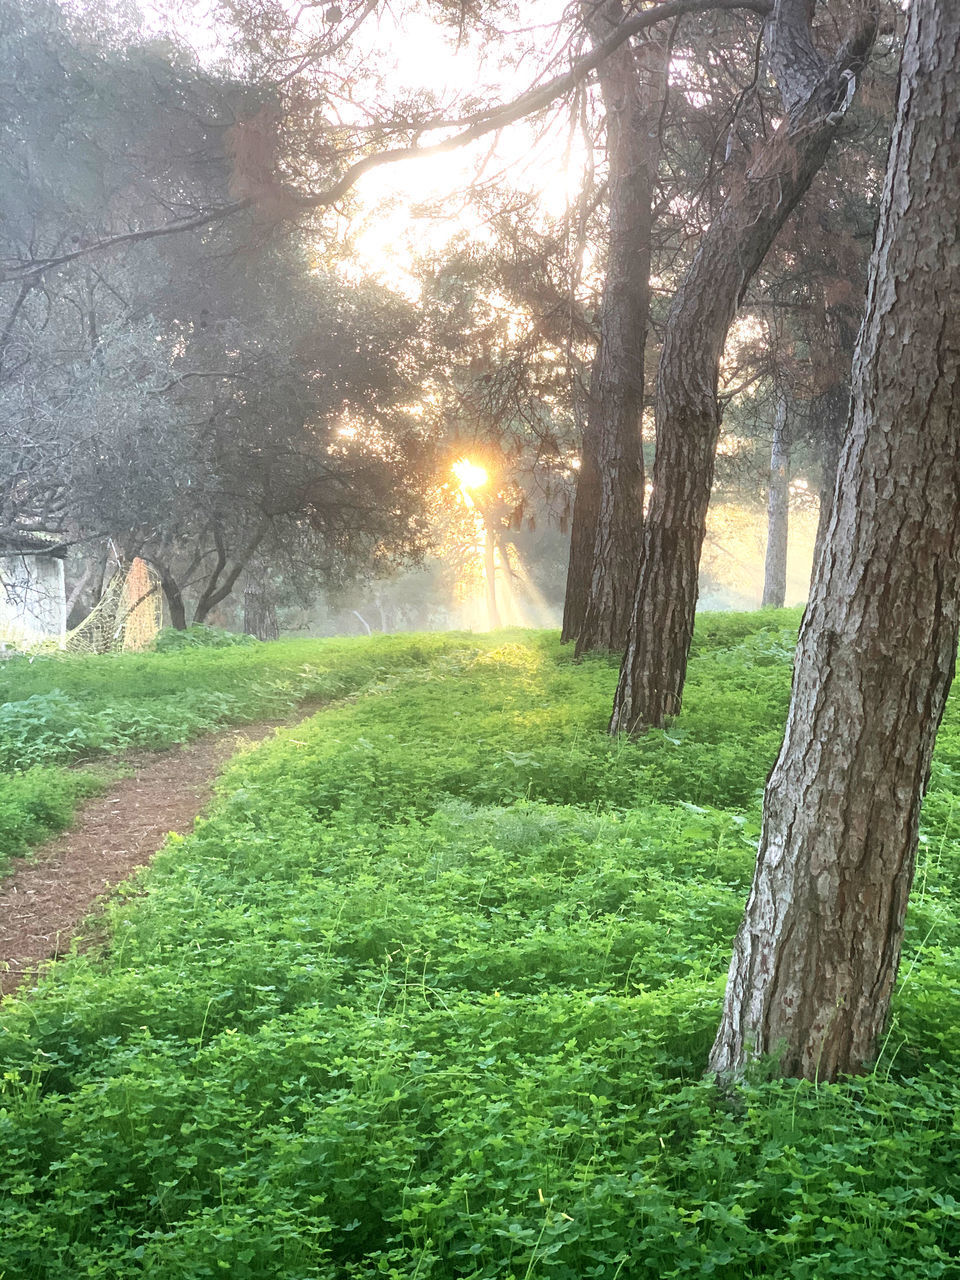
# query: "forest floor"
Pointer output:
{"type": "Point", "coordinates": [430, 989]}
{"type": "Point", "coordinates": [44, 901]}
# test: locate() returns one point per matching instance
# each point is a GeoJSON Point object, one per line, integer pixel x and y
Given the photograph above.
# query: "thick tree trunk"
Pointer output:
{"type": "Point", "coordinates": [778, 512]}
{"type": "Point", "coordinates": [817, 953]}
{"type": "Point", "coordinates": [688, 412]}
{"type": "Point", "coordinates": [608, 509]}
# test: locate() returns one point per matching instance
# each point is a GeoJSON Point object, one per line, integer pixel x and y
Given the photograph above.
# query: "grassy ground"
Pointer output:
{"type": "Point", "coordinates": [430, 995]}
{"type": "Point", "coordinates": [57, 709]}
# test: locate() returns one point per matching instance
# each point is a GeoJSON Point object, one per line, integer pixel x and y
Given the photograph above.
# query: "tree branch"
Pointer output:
{"type": "Point", "coordinates": [32, 271]}
{"type": "Point", "coordinates": [476, 126]}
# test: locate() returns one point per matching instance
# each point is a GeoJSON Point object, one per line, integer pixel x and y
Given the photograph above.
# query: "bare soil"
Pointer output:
{"type": "Point", "coordinates": [44, 900]}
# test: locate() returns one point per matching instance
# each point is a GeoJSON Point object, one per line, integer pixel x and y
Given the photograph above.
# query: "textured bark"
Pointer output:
{"type": "Point", "coordinates": [632, 84]}
{"type": "Point", "coordinates": [832, 410]}
{"type": "Point", "coordinates": [816, 957]}
{"type": "Point", "coordinates": [778, 514]}
{"type": "Point", "coordinates": [688, 412]}
{"type": "Point", "coordinates": [832, 349]}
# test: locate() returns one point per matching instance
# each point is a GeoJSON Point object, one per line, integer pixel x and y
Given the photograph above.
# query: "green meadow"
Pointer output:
{"type": "Point", "coordinates": [430, 990]}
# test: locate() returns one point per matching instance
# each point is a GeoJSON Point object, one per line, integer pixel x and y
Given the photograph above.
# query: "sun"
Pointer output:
{"type": "Point", "coordinates": [470, 474]}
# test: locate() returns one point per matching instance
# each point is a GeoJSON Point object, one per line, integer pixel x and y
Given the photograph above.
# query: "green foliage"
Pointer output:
{"type": "Point", "coordinates": [199, 636]}
{"type": "Point", "coordinates": [57, 708]}
{"type": "Point", "coordinates": [430, 995]}
{"type": "Point", "coordinates": [37, 803]}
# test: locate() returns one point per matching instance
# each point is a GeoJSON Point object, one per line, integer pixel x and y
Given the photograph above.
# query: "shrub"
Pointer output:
{"type": "Point", "coordinates": [36, 804]}
{"type": "Point", "coordinates": [199, 636]}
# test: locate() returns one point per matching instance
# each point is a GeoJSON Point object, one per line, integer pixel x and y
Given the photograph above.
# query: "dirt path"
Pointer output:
{"type": "Point", "coordinates": [46, 898]}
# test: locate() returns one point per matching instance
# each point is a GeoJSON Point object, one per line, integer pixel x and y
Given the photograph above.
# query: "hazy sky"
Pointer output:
{"type": "Point", "coordinates": [418, 53]}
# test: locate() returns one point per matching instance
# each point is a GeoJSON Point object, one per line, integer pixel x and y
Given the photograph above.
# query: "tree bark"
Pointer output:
{"type": "Point", "coordinates": [176, 609]}
{"type": "Point", "coordinates": [816, 957]}
{"type": "Point", "coordinates": [583, 532]}
{"type": "Point", "coordinates": [778, 512]}
{"type": "Point", "coordinates": [605, 551]}
{"type": "Point", "coordinates": [832, 409]}
{"type": "Point", "coordinates": [832, 349]}
{"type": "Point", "coordinates": [260, 615]}
{"type": "Point", "coordinates": [688, 412]}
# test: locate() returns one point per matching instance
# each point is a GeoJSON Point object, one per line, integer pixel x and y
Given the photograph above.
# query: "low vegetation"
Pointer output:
{"type": "Point", "coordinates": [430, 993]}
{"type": "Point", "coordinates": [57, 709]}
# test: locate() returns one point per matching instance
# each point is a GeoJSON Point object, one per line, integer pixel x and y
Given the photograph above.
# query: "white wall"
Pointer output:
{"type": "Point", "coordinates": [33, 600]}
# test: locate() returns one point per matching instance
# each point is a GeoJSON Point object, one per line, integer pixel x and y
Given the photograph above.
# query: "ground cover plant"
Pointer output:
{"type": "Point", "coordinates": [56, 708]}
{"type": "Point", "coordinates": [430, 994]}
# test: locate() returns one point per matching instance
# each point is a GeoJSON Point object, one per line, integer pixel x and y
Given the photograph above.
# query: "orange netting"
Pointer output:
{"type": "Point", "coordinates": [140, 607]}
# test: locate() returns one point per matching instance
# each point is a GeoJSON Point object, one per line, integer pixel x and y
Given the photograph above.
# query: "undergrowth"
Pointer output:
{"type": "Point", "coordinates": [430, 994]}
{"type": "Point", "coordinates": [57, 708]}
{"type": "Point", "coordinates": [38, 802]}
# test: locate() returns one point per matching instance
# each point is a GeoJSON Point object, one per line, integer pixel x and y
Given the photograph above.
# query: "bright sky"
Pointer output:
{"type": "Point", "coordinates": [397, 218]}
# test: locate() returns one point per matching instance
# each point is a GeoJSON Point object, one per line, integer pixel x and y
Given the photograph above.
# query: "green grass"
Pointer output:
{"type": "Point", "coordinates": [56, 709]}
{"type": "Point", "coordinates": [430, 994]}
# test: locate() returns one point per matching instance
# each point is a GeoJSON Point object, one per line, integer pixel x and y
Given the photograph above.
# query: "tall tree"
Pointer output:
{"type": "Point", "coordinates": [207, 398]}
{"type": "Point", "coordinates": [816, 957]}
{"type": "Point", "coordinates": [813, 92]}
{"type": "Point", "coordinates": [608, 508]}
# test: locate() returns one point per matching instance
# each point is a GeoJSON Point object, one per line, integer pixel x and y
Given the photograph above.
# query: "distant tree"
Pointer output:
{"type": "Point", "coordinates": [98, 131]}
{"type": "Point", "coordinates": [817, 954]}
{"type": "Point", "coordinates": [508, 342]}
{"type": "Point", "coordinates": [214, 396]}
{"type": "Point", "coordinates": [277, 427]}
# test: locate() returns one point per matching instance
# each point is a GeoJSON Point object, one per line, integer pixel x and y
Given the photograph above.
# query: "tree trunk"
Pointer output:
{"type": "Point", "coordinates": [176, 609]}
{"type": "Point", "coordinates": [218, 587]}
{"type": "Point", "coordinates": [260, 615]}
{"type": "Point", "coordinates": [490, 577]}
{"type": "Point", "coordinates": [688, 412]}
{"type": "Point", "coordinates": [633, 85]}
{"type": "Point", "coordinates": [608, 508]}
{"type": "Point", "coordinates": [817, 953]}
{"type": "Point", "coordinates": [778, 514]}
{"type": "Point", "coordinates": [833, 409]}
{"type": "Point", "coordinates": [583, 532]}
